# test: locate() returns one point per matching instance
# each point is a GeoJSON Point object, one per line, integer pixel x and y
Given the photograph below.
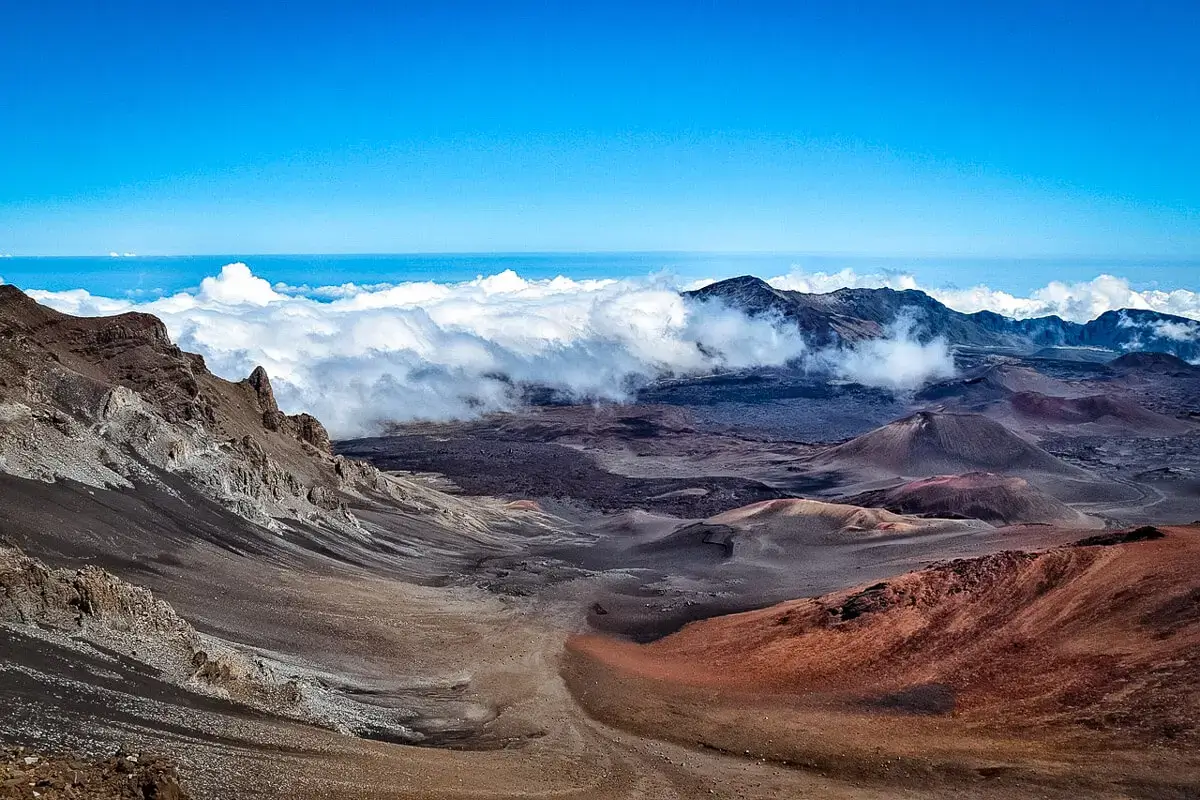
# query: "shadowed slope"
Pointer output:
{"type": "Point", "coordinates": [994, 383]}
{"type": "Point", "coordinates": [929, 443]}
{"type": "Point", "coordinates": [1153, 362]}
{"type": "Point", "coordinates": [998, 499]}
{"type": "Point", "coordinates": [1119, 413]}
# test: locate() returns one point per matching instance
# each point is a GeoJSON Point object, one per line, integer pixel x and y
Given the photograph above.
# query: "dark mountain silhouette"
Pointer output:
{"type": "Point", "coordinates": [847, 315]}
{"type": "Point", "coordinates": [1153, 362]}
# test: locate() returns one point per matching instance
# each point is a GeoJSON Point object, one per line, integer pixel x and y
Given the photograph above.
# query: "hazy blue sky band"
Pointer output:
{"type": "Point", "coordinates": [1053, 129]}
{"type": "Point", "coordinates": [149, 276]}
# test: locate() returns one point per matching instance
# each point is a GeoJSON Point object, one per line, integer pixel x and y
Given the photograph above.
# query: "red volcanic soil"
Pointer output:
{"type": "Point", "coordinates": [929, 443]}
{"type": "Point", "coordinates": [1061, 665]}
{"type": "Point", "coordinates": [1100, 408]}
{"type": "Point", "coordinates": [999, 499]}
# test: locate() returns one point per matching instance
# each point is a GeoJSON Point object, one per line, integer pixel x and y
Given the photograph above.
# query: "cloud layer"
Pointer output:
{"type": "Point", "coordinates": [358, 356]}
{"type": "Point", "coordinates": [433, 351]}
{"type": "Point", "coordinates": [1077, 302]}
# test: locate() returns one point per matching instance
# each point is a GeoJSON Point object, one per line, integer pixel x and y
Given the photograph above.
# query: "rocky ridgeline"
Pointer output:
{"type": "Point", "coordinates": [93, 605]}
{"type": "Point", "coordinates": [848, 315]}
{"type": "Point", "coordinates": [110, 402]}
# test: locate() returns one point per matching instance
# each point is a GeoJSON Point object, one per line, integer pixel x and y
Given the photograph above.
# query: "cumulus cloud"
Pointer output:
{"type": "Point", "coordinates": [1178, 331]}
{"type": "Point", "coordinates": [821, 282]}
{"type": "Point", "coordinates": [1077, 302]}
{"type": "Point", "coordinates": [898, 361]}
{"type": "Point", "coordinates": [359, 355]}
{"type": "Point", "coordinates": [237, 285]}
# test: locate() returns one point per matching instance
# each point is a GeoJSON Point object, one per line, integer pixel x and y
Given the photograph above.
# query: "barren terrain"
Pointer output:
{"type": "Point", "coordinates": [760, 584]}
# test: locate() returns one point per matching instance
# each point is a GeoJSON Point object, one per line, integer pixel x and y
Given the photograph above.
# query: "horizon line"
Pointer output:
{"type": "Point", "coordinates": [129, 256]}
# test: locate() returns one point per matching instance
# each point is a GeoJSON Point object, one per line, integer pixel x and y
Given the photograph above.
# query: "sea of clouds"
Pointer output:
{"type": "Point", "coordinates": [358, 356]}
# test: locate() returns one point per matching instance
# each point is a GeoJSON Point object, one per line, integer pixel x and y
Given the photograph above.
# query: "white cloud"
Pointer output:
{"type": "Point", "coordinates": [80, 302]}
{"type": "Point", "coordinates": [237, 285]}
{"type": "Point", "coordinates": [1179, 331]}
{"type": "Point", "coordinates": [821, 282]}
{"type": "Point", "coordinates": [1077, 302]}
{"type": "Point", "coordinates": [358, 355]}
{"type": "Point", "coordinates": [428, 350]}
{"type": "Point", "coordinates": [898, 361]}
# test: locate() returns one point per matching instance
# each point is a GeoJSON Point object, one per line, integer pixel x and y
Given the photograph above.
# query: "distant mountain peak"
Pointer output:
{"type": "Point", "coordinates": [853, 313]}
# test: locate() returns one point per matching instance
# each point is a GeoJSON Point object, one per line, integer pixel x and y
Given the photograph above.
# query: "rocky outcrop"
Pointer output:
{"type": "Point", "coordinates": [90, 606]}
{"type": "Point", "coordinates": [261, 385]}
{"type": "Point", "coordinates": [88, 600]}
{"type": "Point", "coordinates": [111, 402]}
{"type": "Point", "coordinates": [121, 776]}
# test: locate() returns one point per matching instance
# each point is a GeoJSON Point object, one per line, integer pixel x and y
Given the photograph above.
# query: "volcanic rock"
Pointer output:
{"type": "Point", "coordinates": [999, 499]}
{"type": "Point", "coordinates": [849, 314]}
{"type": "Point", "coordinates": [1152, 362]}
{"type": "Point", "coordinates": [933, 443]}
{"type": "Point", "coordinates": [1081, 638]}
{"type": "Point", "coordinates": [1103, 409]}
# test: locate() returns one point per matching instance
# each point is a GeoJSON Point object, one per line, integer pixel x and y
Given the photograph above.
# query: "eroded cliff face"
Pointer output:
{"type": "Point", "coordinates": [110, 402]}
{"type": "Point", "coordinates": [100, 616]}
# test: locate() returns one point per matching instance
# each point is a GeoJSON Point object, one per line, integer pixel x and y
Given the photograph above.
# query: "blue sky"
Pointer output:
{"type": "Point", "coordinates": [983, 129]}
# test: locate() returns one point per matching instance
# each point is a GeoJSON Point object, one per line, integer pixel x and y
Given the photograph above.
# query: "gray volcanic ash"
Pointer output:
{"type": "Point", "coordinates": [1100, 410]}
{"type": "Point", "coordinates": [933, 443]}
{"type": "Point", "coordinates": [999, 499]}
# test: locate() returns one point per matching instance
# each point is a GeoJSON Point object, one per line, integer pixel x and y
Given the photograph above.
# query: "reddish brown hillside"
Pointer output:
{"type": "Point", "coordinates": [1019, 657]}
{"type": "Point", "coordinates": [931, 443]}
{"type": "Point", "coordinates": [1106, 409]}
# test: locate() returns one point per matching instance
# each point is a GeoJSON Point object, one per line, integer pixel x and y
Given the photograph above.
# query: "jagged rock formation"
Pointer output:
{"type": "Point", "coordinates": [89, 600]}
{"type": "Point", "coordinates": [91, 606]}
{"type": "Point", "coordinates": [111, 402]}
{"type": "Point", "coordinates": [847, 315]}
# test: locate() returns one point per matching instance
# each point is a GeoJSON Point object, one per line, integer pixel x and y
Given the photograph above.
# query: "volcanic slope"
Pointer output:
{"type": "Point", "coordinates": [121, 452]}
{"type": "Point", "coordinates": [994, 382]}
{"type": "Point", "coordinates": [998, 499]}
{"type": "Point", "coordinates": [937, 443]}
{"type": "Point", "coordinates": [93, 406]}
{"type": "Point", "coordinates": [771, 533]}
{"type": "Point", "coordinates": [1142, 361]}
{"type": "Point", "coordinates": [1095, 413]}
{"type": "Point", "coordinates": [1075, 666]}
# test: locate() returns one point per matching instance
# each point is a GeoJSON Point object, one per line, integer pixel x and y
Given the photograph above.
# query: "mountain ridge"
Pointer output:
{"type": "Point", "coordinates": [847, 315]}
